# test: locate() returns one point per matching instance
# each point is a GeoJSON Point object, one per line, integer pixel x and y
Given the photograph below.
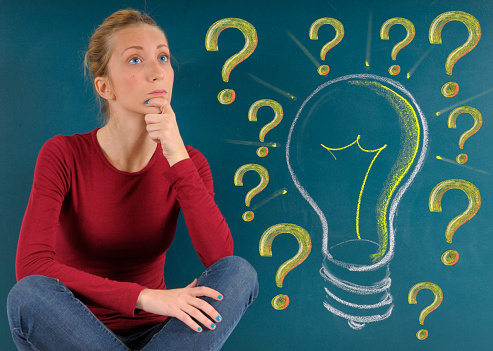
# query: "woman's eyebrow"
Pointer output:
{"type": "Point", "coordinates": [141, 48]}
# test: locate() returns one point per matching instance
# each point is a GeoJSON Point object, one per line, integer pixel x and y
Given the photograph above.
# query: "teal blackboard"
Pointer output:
{"type": "Point", "coordinates": [361, 176]}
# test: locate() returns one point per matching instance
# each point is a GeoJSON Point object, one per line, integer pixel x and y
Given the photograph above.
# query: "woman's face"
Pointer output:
{"type": "Point", "coordinates": [139, 69]}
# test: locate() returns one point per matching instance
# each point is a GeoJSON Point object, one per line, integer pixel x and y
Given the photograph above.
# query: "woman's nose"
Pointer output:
{"type": "Point", "coordinates": [156, 72]}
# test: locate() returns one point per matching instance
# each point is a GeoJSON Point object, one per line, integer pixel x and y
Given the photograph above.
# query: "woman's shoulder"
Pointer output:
{"type": "Point", "coordinates": [70, 143]}
{"type": "Point", "coordinates": [192, 152]}
{"type": "Point", "coordinates": [197, 157]}
{"type": "Point", "coordinates": [68, 149]}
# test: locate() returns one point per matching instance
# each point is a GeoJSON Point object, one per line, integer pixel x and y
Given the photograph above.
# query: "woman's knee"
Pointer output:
{"type": "Point", "coordinates": [28, 293]}
{"type": "Point", "coordinates": [32, 284]}
{"type": "Point", "coordinates": [241, 271]}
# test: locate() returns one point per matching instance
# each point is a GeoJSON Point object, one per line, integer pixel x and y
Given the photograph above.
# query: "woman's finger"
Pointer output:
{"type": "Point", "coordinates": [206, 291]}
{"type": "Point", "coordinates": [157, 126]}
{"type": "Point", "coordinates": [198, 314]}
{"type": "Point", "coordinates": [185, 318]}
{"type": "Point", "coordinates": [206, 310]}
{"type": "Point", "coordinates": [153, 118]}
{"type": "Point", "coordinates": [159, 103]}
{"type": "Point", "coordinates": [192, 284]}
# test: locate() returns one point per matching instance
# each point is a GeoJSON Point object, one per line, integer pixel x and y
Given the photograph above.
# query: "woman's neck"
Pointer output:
{"type": "Point", "coordinates": [126, 144]}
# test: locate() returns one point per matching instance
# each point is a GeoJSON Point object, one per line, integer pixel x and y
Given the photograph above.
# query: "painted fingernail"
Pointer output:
{"type": "Point", "coordinates": [218, 318]}
{"type": "Point", "coordinates": [213, 325]}
{"type": "Point", "coordinates": [147, 102]}
{"type": "Point", "coordinates": [200, 329]}
{"type": "Point", "coordinates": [220, 297]}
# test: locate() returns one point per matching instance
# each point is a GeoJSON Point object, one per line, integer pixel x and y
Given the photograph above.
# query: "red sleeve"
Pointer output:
{"type": "Point", "coordinates": [36, 251]}
{"type": "Point", "coordinates": [210, 234]}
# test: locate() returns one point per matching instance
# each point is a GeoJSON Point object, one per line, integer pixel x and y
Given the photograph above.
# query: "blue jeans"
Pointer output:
{"type": "Point", "coordinates": [44, 315]}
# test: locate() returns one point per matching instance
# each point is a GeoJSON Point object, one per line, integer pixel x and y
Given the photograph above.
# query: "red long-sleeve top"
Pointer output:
{"type": "Point", "coordinates": [104, 233]}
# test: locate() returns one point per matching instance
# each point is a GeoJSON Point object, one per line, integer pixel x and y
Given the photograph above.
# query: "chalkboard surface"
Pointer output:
{"type": "Point", "coordinates": [371, 181]}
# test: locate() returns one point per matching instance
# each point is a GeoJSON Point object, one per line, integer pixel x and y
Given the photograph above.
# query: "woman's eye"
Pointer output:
{"type": "Point", "coordinates": [135, 60]}
{"type": "Point", "coordinates": [163, 58]}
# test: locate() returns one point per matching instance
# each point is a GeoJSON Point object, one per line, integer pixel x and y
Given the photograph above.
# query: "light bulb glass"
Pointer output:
{"type": "Point", "coordinates": [353, 149]}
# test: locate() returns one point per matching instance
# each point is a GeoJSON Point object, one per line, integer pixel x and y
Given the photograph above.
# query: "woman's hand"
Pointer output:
{"type": "Point", "coordinates": [162, 128]}
{"type": "Point", "coordinates": [183, 304]}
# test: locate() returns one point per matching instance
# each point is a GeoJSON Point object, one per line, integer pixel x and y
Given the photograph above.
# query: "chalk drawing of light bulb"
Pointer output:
{"type": "Point", "coordinates": [354, 148]}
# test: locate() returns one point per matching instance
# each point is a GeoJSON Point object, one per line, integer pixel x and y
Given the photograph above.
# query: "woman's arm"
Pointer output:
{"type": "Point", "coordinates": [36, 251]}
{"type": "Point", "coordinates": [206, 225]}
{"type": "Point", "coordinates": [191, 178]}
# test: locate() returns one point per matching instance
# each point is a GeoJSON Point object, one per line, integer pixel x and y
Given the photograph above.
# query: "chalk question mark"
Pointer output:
{"type": "Point", "coordinates": [411, 298]}
{"type": "Point", "coordinates": [451, 89]}
{"type": "Point", "coordinates": [227, 96]}
{"type": "Point", "coordinates": [281, 301]}
{"type": "Point", "coordinates": [339, 28]}
{"type": "Point", "coordinates": [384, 35]}
{"type": "Point", "coordinates": [478, 122]}
{"type": "Point", "coordinates": [450, 257]}
{"type": "Point", "coordinates": [264, 180]}
{"type": "Point", "coordinates": [252, 116]}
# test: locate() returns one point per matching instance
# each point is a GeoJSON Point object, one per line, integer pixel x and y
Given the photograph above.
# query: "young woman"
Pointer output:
{"type": "Point", "coordinates": [103, 211]}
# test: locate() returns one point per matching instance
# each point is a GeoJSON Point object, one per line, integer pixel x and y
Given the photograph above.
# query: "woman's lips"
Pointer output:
{"type": "Point", "coordinates": [159, 92]}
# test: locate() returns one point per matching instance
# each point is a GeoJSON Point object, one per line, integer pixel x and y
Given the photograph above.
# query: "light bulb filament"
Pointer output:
{"type": "Point", "coordinates": [377, 151]}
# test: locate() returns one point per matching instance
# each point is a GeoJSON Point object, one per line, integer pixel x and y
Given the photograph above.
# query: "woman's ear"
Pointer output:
{"type": "Point", "coordinates": [103, 88]}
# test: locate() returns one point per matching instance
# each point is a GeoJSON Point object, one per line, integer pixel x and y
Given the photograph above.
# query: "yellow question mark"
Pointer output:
{"type": "Point", "coordinates": [227, 96]}
{"type": "Point", "coordinates": [384, 35]}
{"type": "Point", "coordinates": [478, 122]}
{"type": "Point", "coordinates": [252, 116]}
{"type": "Point", "coordinates": [451, 257]}
{"type": "Point", "coordinates": [339, 28]}
{"type": "Point", "coordinates": [280, 302]}
{"type": "Point", "coordinates": [411, 298]}
{"type": "Point", "coordinates": [451, 89]}
{"type": "Point", "coordinates": [264, 180]}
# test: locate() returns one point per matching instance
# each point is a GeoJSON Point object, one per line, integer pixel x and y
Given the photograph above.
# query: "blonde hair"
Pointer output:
{"type": "Point", "coordinates": [100, 46]}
